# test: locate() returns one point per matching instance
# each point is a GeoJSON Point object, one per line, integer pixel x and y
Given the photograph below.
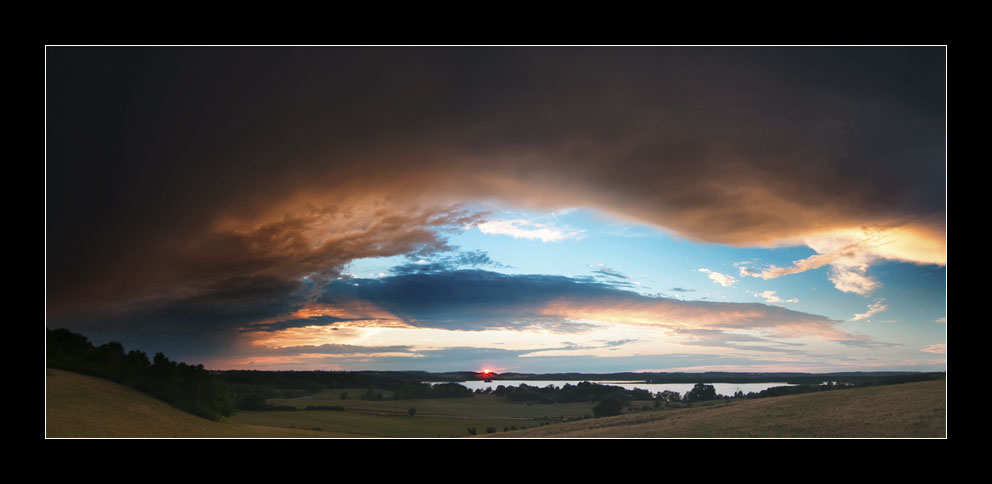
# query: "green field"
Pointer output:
{"type": "Point", "coordinates": [479, 405]}
{"type": "Point", "coordinates": [84, 406]}
{"type": "Point", "coordinates": [448, 417]}
{"type": "Point", "coordinates": [905, 410]}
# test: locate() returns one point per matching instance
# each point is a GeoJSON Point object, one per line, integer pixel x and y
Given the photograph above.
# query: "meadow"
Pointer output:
{"type": "Point", "coordinates": [447, 417]}
{"type": "Point", "coordinates": [85, 406]}
{"type": "Point", "coordinates": [901, 410]}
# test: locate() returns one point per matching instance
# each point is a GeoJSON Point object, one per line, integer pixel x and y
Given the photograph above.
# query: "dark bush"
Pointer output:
{"type": "Point", "coordinates": [608, 407]}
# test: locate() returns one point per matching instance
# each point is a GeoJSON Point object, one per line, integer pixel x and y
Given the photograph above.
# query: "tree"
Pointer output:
{"type": "Point", "coordinates": [701, 392]}
{"type": "Point", "coordinates": [187, 387]}
{"type": "Point", "coordinates": [611, 405]}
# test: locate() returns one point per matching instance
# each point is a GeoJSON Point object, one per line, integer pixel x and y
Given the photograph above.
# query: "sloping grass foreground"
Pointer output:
{"type": "Point", "coordinates": [905, 410]}
{"type": "Point", "coordinates": [84, 406]}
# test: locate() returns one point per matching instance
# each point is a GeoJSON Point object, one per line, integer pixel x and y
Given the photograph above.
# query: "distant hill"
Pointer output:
{"type": "Point", "coordinates": [855, 378]}
{"type": "Point", "coordinates": [84, 406]}
{"type": "Point", "coordinates": [903, 410]}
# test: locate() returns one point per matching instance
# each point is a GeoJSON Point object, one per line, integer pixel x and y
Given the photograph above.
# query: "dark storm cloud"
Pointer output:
{"type": "Point", "coordinates": [228, 301]}
{"type": "Point", "coordinates": [204, 184]}
{"type": "Point", "coordinates": [443, 263]}
{"type": "Point", "coordinates": [296, 323]}
{"type": "Point", "coordinates": [480, 300]}
{"type": "Point", "coordinates": [465, 299]}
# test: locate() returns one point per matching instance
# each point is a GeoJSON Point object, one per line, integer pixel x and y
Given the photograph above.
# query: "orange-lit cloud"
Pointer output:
{"type": "Point", "coordinates": [850, 252]}
{"type": "Point", "coordinates": [716, 145]}
{"type": "Point", "coordinates": [196, 191]}
{"type": "Point", "coordinates": [676, 314]}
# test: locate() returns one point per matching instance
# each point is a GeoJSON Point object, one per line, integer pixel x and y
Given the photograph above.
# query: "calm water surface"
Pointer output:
{"type": "Point", "coordinates": [682, 388]}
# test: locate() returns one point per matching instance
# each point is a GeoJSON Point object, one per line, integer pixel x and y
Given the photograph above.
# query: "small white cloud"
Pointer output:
{"type": "Point", "coordinates": [721, 279]}
{"type": "Point", "coordinates": [745, 272]}
{"type": "Point", "coordinates": [770, 297]}
{"type": "Point", "coordinates": [940, 349]}
{"type": "Point", "coordinates": [941, 320]}
{"type": "Point", "coordinates": [873, 309]}
{"type": "Point", "coordinates": [525, 229]}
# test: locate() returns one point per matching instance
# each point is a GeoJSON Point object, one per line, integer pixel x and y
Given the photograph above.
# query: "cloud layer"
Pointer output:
{"type": "Point", "coordinates": [203, 187]}
{"type": "Point", "coordinates": [472, 300]}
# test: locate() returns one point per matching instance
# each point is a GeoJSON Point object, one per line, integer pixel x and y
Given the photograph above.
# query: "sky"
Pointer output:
{"type": "Point", "coordinates": [518, 209]}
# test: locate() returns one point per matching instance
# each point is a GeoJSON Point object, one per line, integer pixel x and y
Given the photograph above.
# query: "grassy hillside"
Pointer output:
{"type": "Point", "coordinates": [84, 406]}
{"type": "Point", "coordinates": [906, 410]}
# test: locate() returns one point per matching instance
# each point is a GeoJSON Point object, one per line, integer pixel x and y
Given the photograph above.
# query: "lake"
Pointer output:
{"type": "Point", "coordinates": [727, 389]}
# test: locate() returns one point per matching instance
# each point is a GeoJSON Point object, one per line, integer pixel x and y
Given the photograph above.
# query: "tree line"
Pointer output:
{"type": "Point", "coordinates": [309, 382]}
{"type": "Point", "coordinates": [252, 388]}
{"type": "Point", "coordinates": [190, 388]}
{"type": "Point", "coordinates": [849, 378]}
